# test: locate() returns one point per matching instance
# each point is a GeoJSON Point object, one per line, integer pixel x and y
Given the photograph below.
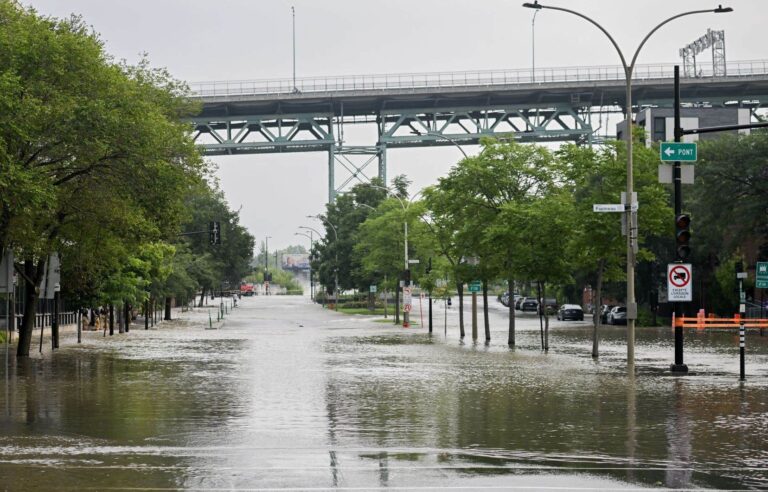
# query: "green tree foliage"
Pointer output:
{"type": "Point", "coordinates": [598, 175]}
{"type": "Point", "coordinates": [94, 159]}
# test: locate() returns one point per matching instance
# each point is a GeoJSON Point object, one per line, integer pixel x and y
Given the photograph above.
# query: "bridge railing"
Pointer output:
{"type": "Point", "coordinates": [435, 80]}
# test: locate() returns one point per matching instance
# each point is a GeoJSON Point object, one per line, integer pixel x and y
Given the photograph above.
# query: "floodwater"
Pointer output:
{"type": "Point", "coordinates": [286, 395]}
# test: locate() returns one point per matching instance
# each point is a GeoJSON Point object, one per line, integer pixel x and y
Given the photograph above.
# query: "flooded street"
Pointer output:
{"type": "Point", "coordinates": [288, 395]}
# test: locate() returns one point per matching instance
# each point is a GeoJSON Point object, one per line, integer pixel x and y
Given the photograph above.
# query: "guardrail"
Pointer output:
{"type": "Point", "coordinates": [436, 80]}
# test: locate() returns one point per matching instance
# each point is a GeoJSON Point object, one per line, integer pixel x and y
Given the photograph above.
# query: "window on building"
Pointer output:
{"type": "Point", "coordinates": [659, 129]}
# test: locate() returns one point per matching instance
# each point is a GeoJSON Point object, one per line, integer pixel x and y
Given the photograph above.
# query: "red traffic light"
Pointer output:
{"type": "Point", "coordinates": [683, 221]}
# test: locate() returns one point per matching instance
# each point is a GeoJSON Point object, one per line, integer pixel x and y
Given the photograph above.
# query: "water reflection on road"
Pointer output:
{"type": "Point", "coordinates": [288, 395]}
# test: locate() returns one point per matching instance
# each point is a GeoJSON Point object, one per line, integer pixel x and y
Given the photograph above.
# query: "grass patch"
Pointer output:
{"type": "Point", "coordinates": [391, 321]}
{"type": "Point", "coordinates": [375, 312]}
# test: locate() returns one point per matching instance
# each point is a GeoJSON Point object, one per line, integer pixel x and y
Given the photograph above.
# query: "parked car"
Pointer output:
{"type": "Point", "coordinates": [617, 316]}
{"type": "Point", "coordinates": [504, 298]}
{"type": "Point", "coordinates": [551, 305]}
{"type": "Point", "coordinates": [529, 304]}
{"type": "Point", "coordinates": [603, 312]}
{"type": "Point", "coordinates": [570, 311]}
{"type": "Point", "coordinates": [519, 302]}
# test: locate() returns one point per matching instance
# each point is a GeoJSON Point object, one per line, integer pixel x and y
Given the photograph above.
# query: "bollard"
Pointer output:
{"type": "Point", "coordinates": [742, 377]}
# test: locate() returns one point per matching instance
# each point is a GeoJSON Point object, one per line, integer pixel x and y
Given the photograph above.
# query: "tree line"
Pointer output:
{"type": "Point", "coordinates": [97, 165]}
{"type": "Point", "coordinates": [520, 217]}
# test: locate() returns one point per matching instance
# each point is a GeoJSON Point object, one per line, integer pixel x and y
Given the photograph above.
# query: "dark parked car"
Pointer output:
{"type": "Point", "coordinates": [519, 302]}
{"type": "Point", "coordinates": [618, 316]}
{"type": "Point", "coordinates": [603, 312]}
{"type": "Point", "coordinates": [529, 304]}
{"type": "Point", "coordinates": [570, 311]}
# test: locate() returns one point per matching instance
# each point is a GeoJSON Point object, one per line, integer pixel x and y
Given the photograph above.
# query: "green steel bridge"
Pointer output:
{"type": "Point", "coordinates": [444, 108]}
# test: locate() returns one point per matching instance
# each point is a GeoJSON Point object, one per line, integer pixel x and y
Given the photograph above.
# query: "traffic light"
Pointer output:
{"type": "Point", "coordinates": [214, 232]}
{"type": "Point", "coordinates": [429, 266]}
{"type": "Point", "coordinates": [407, 276]}
{"type": "Point", "coordinates": [683, 235]}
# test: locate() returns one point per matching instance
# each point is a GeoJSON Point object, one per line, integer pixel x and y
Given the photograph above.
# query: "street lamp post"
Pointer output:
{"type": "Point", "coordinates": [336, 264]}
{"type": "Point", "coordinates": [311, 243]}
{"type": "Point", "coordinates": [631, 232]}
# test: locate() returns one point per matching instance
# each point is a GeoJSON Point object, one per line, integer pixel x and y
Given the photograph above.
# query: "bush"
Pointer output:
{"type": "Point", "coordinates": [645, 316]}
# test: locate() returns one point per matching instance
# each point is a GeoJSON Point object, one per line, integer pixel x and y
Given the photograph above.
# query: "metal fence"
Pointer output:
{"type": "Point", "coordinates": [436, 80]}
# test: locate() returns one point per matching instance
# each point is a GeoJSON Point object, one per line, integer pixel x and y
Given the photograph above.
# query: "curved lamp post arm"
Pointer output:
{"type": "Point", "coordinates": [642, 43]}
{"type": "Point", "coordinates": [538, 6]}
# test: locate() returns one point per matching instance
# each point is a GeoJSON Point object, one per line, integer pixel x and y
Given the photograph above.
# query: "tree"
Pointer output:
{"type": "Point", "coordinates": [599, 176]}
{"type": "Point", "coordinates": [87, 146]}
{"type": "Point", "coordinates": [470, 199]}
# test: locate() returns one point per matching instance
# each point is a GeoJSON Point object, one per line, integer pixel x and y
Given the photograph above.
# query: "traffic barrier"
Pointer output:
{"type": "Point", "coordinates": [701, 322]}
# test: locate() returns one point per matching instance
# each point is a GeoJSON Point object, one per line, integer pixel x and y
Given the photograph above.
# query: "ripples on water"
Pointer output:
{"type": "Point", "coordinates": [265, 402]}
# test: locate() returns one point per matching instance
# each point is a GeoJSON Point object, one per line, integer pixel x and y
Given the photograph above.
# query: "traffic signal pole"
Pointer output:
{"type": "Point", "coordinates": [678, 366]}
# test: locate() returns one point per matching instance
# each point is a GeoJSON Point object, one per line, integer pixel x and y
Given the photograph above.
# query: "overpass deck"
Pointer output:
{"type": "Point", "coordinates": [444, 108]}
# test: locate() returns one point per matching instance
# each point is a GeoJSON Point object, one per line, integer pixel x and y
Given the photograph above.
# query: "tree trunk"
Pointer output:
{"type": "Point", "coordinates": [597, 302]}
{"type": "Point", "coordinates": [397, 305]}
{"type": "Point", "coordinates": [167, 316]}
{"type": "Point", "coordinates": [127, 316]}
{"type": "Point", "coordinates": [30, 306]}
{"type": "Point", "coordinates": [546, 315]}
{"type": "Point", "coordinates": [112, 319]}
{"type": "Point", "coordinates": [538, 309]}
{"type": "Point", "coordinates": [511, 290]}
{"type": "Point", "coordinates": [485, 311]}
{"type": "Point", "coordinates": [202, 297]}
{"type": "Point", "coordinates": [460, 290]}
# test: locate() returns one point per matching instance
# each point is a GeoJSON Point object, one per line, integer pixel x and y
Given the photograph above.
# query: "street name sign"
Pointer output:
{"type": "Point", "coordinates": [679, 285]}
{"type": "Point", "coordinates": [612, 207]}
{"type": "Point", "coordinates": [608, 207]}
{"type": "Point", "coordinates": [475, 286]}
{"type": "Point", "coordinates": [762, 274]}
{"type": "Point", "coordinates": [678, 152]}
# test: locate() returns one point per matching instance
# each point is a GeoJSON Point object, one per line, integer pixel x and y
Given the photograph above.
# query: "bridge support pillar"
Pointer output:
{"type": "Point", "coordinates": [331, 174]}
{"type": "Point", "coordinates": [382, 163]}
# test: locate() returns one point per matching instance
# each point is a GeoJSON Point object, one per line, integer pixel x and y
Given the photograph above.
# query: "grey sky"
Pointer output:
{"type": "Point", "coordinates": [251, 39]}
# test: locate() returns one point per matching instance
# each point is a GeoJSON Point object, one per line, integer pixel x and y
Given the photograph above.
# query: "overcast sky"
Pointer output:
{"type": "Point", "coordinates": [209, 40]}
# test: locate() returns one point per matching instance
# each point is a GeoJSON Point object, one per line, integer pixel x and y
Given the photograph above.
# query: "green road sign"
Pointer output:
{"type": "Point", "coordinates": [475, 286]}
{"type": "Point", "coordinates": [762, 274]}
{"type": "Point", "coordinates": [676, 151]}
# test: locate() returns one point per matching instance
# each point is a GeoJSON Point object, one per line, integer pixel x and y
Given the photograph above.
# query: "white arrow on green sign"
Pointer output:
{"type": "Point", "coordinates": [678, 152]}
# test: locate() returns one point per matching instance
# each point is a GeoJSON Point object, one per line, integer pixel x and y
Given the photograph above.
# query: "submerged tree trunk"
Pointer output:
{"type": "Point", "coordinates": [202, 296]}
{"type": "Point", "coordinates": [397, 305]}
{"type": "Point", "coordinates": [538, 309]}
{"type": "Point", "coordinates": [510, 289]}
{"type": "Point", "coordinates": [485, 311]}
{"type": "Point", "coordinates": [31, 281]}
{"type": "Point", "coordinates": [460, 289]}
{"type": "Point", "coordinates": [597, 303]}
{"type": "Point", "coordinates": [546, 315]}
{"type": "Point", "coordinates": [167, 316]}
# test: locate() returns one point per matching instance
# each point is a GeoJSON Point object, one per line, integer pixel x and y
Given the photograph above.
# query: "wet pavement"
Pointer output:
{"type": "Point", "coordinates": [286, 395]}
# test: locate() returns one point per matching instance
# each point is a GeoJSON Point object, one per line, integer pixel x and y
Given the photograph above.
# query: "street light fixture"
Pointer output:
{"type": "Point", "coordinates": [440, 135]}
{"type": "Point", "coordinates": [631, 233]}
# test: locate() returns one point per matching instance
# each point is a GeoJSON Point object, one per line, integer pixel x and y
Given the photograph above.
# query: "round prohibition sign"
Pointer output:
{"type": "Point", "coordinates": [679, 276]}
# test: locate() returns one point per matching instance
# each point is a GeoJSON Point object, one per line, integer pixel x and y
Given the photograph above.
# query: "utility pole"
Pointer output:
{"type": "Point", "coordinates": [678, 366]}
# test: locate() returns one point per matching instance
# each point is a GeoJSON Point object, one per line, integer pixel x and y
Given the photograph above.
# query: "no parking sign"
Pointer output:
{"type": "Point", "coordinates": [679, 286]}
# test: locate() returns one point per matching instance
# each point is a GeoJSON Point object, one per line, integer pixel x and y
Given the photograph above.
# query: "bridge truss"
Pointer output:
{"type": "Point", "coordinates": [421, 110]}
